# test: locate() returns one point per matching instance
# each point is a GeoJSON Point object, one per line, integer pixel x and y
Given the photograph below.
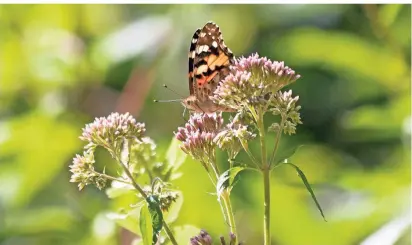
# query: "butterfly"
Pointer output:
{"type": "Point", "coordinates": [209, 61]}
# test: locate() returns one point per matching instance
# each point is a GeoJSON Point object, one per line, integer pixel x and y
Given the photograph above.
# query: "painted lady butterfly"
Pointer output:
{"type": "Point", "coordinates": [209, 61]}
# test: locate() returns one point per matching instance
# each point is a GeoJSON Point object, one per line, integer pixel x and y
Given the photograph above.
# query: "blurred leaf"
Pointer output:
{"type": "Point", "coordinates": [146, 225]}
{"type": "Point", "coordinates": [174, 210]}
{"type": "Point", "coordinates": [184, 233]}
{"type": "Point", "coordinates": [37, 153]}
{"type": "Point", "coordinates": [388, 13]}
{"type": "Point", "coordinates": [118, 189]}
{"type": "Point", "coordinates": [38, 220]}
{"type": "Point", "coordinates": [226, 180]}
{"type": "Point", "coordinates": [281, 156]}
{"type": "Point", "coordinates": [128, 220]}
{"type": "Point", "coordinates": [344, 52]}
{"type": "Point", "coordinates": [308, 187]}
{"type": "Point", "coordinates": [175, 156]}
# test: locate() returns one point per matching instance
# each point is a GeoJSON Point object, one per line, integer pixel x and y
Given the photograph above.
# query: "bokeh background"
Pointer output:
{"type": "Point", "coordinates": [63, 65]}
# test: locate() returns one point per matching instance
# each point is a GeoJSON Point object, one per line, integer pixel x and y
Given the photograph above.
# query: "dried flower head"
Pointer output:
{"type": "Point", "coordinates": [83, 172]}
{"type": "Point", "coordinates": [198, 134]}
{"type": "Point", "coordinates": [252, 82]}
{"type": "Point", "coordinates": [111, 131]}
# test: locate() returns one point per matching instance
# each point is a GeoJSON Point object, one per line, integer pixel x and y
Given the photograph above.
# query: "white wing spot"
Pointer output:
{"type": "Point", "coordinates": [194, 40]}
{"type": "Point", "coordinates": [214, 44]}
{"type": "Point", "coordinates": [202, 34]}
{"type": "Point", "coordinates": [203, 48]}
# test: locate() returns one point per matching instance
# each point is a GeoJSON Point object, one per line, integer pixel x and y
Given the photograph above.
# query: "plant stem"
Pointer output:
{"type": "Point", "coordinates": [265, 168]}
{"type": "Point", "coordinates": [227, 205]}
{"type": "Point", "coordinates": [169, 233]}
{"type": "Point", "coordinates": [140, 190]}
{"type": "Point", "coordinates": [229, 211]}
{"type": "Point", "coordinates": [277, 140]}
{"type": "Point", "coordinates": [112, 178]}
{"type": "Point", "coordinates": [266, 216]}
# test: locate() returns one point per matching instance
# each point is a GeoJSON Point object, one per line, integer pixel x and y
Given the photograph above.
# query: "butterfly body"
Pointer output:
{"type": "Point", "coordinates": [209, 61]}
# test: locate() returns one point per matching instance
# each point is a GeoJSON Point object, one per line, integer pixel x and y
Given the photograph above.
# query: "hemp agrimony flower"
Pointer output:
{"type": "Point", "coordinates": [253, 81]}
{"type": "Point", "coordinates": [83, 172]}
{"type": "Point", "coordinates": [205, 239]}
{"type": "Point", "coordinates": [285, 106]}
{"type": "Point", "coordinates": [234, 135]}
{"type": "Point", "coordinates": [135, 154]}
{"type": "Point", "coordinates": [110, 132]}
{"type": "Point", "coordinates": [198, 136]}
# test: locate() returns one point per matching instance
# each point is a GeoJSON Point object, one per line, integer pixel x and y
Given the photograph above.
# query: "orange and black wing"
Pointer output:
{"type": "Point", "coordinates": [209, 61]}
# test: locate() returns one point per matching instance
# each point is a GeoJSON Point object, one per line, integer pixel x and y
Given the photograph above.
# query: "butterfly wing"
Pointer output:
{"type": "Point", "coordinates": [209, 61]}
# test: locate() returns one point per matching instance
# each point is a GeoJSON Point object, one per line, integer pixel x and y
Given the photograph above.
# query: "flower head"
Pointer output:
{"type": "Point", "coordinates": [235, 135]}
{"type": "Point", "coordinates": [252, 82]}
{"type": "Point", "coordinates": [205, 239]}
{"type": "Point", "coordinates": [198, 133]}
{"type": "Point", "coordinates": [112, 130]}
{"type": "Point", "coordinates": [285, 105]}
{"type": "Point", "coordinates": [83, 171]}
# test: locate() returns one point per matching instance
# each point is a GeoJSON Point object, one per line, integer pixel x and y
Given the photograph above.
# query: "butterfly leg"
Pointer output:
{"type": "Point", "coordinates": [183, 115]}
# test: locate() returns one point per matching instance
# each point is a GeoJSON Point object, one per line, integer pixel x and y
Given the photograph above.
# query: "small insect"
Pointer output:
{"type": "Point", "coordinates": [209, 61]}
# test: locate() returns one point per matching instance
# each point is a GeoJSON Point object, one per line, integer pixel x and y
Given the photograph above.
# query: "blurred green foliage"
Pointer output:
{"type": "Point", "coordinates": [62, 65]}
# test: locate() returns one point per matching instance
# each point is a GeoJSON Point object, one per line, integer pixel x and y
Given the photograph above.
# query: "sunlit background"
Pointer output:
{"type": "Point", "coordinates": [63, 65]}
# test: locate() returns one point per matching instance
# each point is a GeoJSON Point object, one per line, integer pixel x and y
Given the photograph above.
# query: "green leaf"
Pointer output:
{"type": "Point", "coordinates": [174, 155]}
{"type": "Point", "coordinates": [308, 187]}
{"type": "Point", "coordinates": [156, 215]}
{"type": "Point", "coordinates": [227, 180]}
{"type": "Point", "coordinates": [146, 228]}
{"type": "Point", "coordinates": [281, 156]}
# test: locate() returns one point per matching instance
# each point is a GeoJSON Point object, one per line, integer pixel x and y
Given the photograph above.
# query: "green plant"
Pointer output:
{"type": "Point", "coordinates": [252, 89]}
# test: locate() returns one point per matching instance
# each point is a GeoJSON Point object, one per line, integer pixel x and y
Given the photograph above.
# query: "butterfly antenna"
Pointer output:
{"type": "Point", "coordinates": [165, 101]}
{"type": "Point", "coordinates": [174, 91]}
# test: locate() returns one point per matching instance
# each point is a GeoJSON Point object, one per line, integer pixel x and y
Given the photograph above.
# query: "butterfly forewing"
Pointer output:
{"type": "Point", "coordinates": [208, 62]}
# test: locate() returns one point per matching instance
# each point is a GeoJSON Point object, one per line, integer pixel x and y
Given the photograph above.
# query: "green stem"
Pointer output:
{"type": "Point", "coordinates": [169, 233]}
{"type": "Point", "coordinates": [277, 140]}
{"type": "Point", "coordinates": [112, 178]}
{"type": "Point", "coordinates": [229, 212]}
{"type": "Point", "coordinates": [246, 148]}
{"type": "Point", "coordinates": [227, 205]}
{"type": "Point", "coordinates": [140, 190]}
{"type": "Point", "coordinates": [266, 216]}
{"type": "Point", "coordinates": [265, 168]}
